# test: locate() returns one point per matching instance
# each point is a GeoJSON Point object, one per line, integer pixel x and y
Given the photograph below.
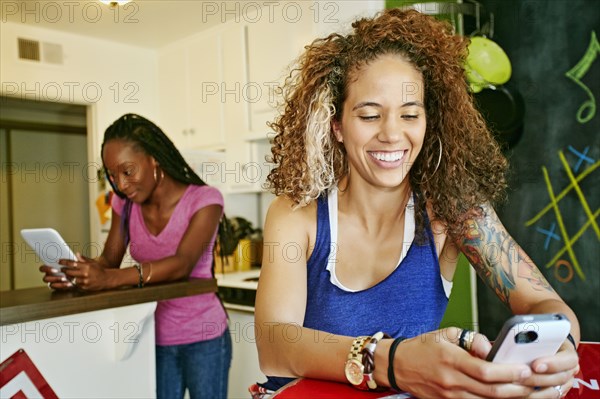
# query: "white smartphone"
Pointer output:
{"type": "Point", "coordinates": [525, 338]}
{"type": "Point", "coordinates": [48, 245]}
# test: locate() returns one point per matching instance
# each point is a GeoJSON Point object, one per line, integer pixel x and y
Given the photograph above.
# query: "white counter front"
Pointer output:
{"type": "Point", "coordinates": [100, 354]}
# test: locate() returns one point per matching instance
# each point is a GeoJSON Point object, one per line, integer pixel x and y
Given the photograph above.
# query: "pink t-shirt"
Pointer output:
{"type": "Point", "coordinates": [188, 319]}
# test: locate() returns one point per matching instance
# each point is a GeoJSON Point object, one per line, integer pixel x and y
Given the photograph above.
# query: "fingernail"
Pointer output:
{"type": "Point", "coordinates": [526, 373]}
{"type": "Point", "coordinates": [63, 279]}
{"type": "Point", "coordinates": [53, 270]}
{"type": "Point", "coordinates": [541, 368]}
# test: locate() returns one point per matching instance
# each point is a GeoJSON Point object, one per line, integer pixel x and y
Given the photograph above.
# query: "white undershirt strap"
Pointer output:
{"type": "Point", "coordinates": [409, 236]}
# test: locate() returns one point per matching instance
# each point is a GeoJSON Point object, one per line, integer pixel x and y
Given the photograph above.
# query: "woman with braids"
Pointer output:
{"type": "Point", "coordinates": [384, 172]}
{"type": "Point", "coordinates": [169, 219]}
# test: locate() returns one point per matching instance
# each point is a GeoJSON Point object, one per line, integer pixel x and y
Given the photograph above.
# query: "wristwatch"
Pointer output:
{"type": "Point", "coordinates": [354, 368]}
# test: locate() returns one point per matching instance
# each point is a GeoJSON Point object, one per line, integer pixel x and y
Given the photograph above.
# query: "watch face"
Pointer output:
{"type": "Point", "coordinates": [354, 372]}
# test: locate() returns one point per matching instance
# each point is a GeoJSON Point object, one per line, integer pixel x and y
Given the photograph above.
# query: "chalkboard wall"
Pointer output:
{"type": "Point", "coordinates": [556, 66]}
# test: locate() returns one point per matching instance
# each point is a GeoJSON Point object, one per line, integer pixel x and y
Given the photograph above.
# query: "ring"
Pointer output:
{"type": "Point", "coordinates": [559, 391]}
{"type": "Point", "coordinates": [469, 340]}
{"type": "Point", "coordinates": [466, 339]}
{"type": "Point", "coordinates": [49, 286]}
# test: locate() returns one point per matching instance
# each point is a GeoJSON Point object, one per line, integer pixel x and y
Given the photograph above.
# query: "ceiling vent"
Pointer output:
{"type": "Point", "coordinates": [29, 49]}
{"type": "Point", "coordinates": [52, 53]}
{"type": "Point", "coordinates": [33, 50]}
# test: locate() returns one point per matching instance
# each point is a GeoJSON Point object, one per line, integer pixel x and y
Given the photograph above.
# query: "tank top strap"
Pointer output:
{"type": "Point", "coordinates": [322, 248]}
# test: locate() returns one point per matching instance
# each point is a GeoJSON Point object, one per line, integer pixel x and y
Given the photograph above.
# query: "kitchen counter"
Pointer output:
{"type": "Point", "coordinates": [30, 304]}
{"type": "Point", "coordinates": [247, 279]}
{"type": "Point", "coordinates": [238, 289]}
{"type": "Point", "coordinates": [80, 340]}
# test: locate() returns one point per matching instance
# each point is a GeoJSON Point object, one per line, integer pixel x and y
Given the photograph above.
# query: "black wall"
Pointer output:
{"type": "Point", "coordinates": [544, 39]}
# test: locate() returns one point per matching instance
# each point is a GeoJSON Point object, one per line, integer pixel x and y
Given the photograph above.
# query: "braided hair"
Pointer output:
{"type": "Point", "coordinates": [154, 142]}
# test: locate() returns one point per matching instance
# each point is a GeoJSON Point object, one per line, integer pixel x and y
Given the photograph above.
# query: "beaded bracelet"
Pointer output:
{"type": "Point", "coordinates": [368, 359]}
{"type": "Point", "coordinates": [391, 376]}
{"type": "Point", "coordinates": [141, 273]}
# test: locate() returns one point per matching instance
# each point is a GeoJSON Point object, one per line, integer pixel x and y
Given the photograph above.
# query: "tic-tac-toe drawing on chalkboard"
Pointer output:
{"type": "Point", "coordinates": [564, 261]}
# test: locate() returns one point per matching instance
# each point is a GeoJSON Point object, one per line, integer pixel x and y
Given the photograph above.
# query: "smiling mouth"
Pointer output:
{"type": "Point", "coordinates": [394, 156]}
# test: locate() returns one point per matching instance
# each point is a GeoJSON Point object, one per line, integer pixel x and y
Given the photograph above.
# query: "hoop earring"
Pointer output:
{"type": "Point", "coordinates": [162, 176]}
{"type": "Point", "coordinates": [347, 182]}
{"type": "Point", "coordinates": [438, 162]}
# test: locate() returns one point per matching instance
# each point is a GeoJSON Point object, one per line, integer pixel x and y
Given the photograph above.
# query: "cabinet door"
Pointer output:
{"type": "Point", "coordinates": [173, 100]}
{"type": "Point", "coordinates": [272, 46]}
{"type": "Point", "coordinates": [236, 108]}
{"type": "Point", "coordinates": [245, 369]}
{"type": "Point", "coordinates": [205, 91]}
{"type": "Point", "coordinates": [235, 82]}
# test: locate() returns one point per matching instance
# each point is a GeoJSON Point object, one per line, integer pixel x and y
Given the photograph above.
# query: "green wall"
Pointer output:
{"type": "Point", "coordinates": [460, 307]}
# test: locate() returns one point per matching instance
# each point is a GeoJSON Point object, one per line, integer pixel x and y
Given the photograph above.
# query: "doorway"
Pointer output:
{"type": "Point", "coordinates": [44, 182]}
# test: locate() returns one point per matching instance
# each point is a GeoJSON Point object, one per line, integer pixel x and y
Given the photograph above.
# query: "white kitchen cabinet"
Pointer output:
{"type": "Point", "coordinates": [247, 167]}
{"type": "Point", "coordinates": [236, 107]}
{"type": "Point", "coordinates": [273, 44]}
{"type": "Point", "coordinates": [245, 369]}
{"type": "Point", "coordinates": [173, 94]}
{"type": "Point", "coordinates": [190, 76]}
{"type": "Point", "coordinates": [205, 74]}
{"type": "Point", "coordinates": [234, 83]}
{"type": "Point", "coordinates": [270, 45]}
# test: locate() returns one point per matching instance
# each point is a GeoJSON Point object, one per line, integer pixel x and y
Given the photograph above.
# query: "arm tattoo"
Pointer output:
{"type": "Point", "coordinates": [496, 257]}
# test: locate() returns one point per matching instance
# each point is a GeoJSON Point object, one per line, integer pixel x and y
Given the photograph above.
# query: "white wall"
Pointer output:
{"type": "Point", "coordinates": [337, 16]}
{"type": "Point", "coordinates": [111, 78]}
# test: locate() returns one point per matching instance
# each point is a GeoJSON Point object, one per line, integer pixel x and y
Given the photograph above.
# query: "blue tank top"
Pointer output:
{"type": "Point", "coordinates": [409, 302]}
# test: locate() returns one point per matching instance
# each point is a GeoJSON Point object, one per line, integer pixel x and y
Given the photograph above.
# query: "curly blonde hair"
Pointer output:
{"type": "Point", "coordinates": [308, 160]}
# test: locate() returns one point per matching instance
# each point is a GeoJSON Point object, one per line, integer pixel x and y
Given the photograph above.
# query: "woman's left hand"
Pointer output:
{"type": "Point", "coordinates": [85, 273]}
{"type": "Point", "coordinates": [553, 376]}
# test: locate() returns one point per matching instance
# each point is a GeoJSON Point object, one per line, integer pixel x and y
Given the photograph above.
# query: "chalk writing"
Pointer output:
{"type": "Point", "coordinates": [578, 72]}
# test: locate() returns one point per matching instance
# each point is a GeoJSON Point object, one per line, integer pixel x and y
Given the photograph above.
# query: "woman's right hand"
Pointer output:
{"type": "Point", "coordinates": [433, 365]}
{"type": "Point", "coordinates": [55, 278]}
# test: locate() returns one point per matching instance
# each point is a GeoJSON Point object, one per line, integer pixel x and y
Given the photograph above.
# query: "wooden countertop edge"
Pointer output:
{"type": "Point", "coordinates": [31, 304]}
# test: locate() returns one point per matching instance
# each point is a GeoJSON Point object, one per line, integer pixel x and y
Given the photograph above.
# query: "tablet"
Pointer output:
{"type": "Point", "coordinates": [48, 245]}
